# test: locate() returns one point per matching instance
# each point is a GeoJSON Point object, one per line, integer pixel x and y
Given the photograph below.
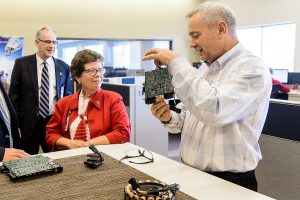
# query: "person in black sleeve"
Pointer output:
{"type": "Point", "coordinates": [9, 133]}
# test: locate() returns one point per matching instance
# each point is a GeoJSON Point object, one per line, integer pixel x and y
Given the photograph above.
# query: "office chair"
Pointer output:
{"type": "Point", "coordinates": [275, 90]}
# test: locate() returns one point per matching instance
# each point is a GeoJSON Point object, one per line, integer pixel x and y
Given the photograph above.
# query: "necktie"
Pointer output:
{"type": "Point", "coordinates": [44, 96]}
{"type": "Point", "coordinates": [6, 120]}
{"type": "Point", "coordinates": [80, 133]}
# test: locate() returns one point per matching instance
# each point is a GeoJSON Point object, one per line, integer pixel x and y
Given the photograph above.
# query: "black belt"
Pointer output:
{"type": "Point", "coordinates": [233, 175]}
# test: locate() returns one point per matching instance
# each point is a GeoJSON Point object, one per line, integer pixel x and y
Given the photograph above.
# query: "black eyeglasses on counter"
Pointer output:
{"type": "Point", "coordinates": [138, 156]}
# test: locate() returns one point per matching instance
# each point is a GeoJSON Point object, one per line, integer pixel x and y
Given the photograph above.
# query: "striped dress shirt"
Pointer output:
{"type": "Point", "coordinates": [224, 107]}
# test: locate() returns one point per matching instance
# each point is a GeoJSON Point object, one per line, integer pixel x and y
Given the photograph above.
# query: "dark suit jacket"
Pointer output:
{"type": "Point", "coordinates": [24, 93]}
{"type": "Point", "coordinates": [13, 123]}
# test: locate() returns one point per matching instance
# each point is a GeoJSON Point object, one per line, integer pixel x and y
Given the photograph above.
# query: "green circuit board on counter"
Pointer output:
{"type": "Point", "coordinates": [31, 166]}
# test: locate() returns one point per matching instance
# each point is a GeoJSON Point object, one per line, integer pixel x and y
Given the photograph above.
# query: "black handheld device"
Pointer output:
{"type": "Point", "coordinates": [95, 159]}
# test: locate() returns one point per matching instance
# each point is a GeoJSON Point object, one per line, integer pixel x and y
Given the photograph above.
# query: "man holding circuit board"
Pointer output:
{"type": "Point", "coordinates": [223, 104]}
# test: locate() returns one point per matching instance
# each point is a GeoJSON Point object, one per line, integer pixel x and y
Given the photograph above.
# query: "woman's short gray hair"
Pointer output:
{"type": "Point", "coordinates": [81, 58]}
{"type": "Point", "coordinates": [213, 12]}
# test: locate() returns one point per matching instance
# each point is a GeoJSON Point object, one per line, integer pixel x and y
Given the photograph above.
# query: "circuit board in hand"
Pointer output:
{"type": "Point", "coordinates": [158, 82]}
{"type": "Point", "coordinates": [30, 166]}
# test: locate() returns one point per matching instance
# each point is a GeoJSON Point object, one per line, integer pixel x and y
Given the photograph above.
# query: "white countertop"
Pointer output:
{"type": "Point", "coordinates": [193, 182]}
{"type": "Point", "coordinates": [288, 102]}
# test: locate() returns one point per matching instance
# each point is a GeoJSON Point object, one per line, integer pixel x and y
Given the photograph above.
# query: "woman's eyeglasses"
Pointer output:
{"type": "Point", "coordinates": [138, 156]}
{"type": "Point", "coordinates": [94, 71]}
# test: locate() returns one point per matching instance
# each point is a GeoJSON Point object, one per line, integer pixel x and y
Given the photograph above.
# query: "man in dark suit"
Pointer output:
{"type": "Point", "coordinates": [9, 133]}
{"type": "Point", "coordinates": [38, 81]}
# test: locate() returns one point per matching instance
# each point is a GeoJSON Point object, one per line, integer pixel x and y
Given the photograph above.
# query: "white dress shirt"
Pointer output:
{"type": "Point", "coordinates": [52, 80]}
{"type": "Point", "coordinates": [224, 107]}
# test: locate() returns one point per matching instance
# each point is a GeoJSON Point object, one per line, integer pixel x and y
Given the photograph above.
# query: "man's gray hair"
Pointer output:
{"type": "Point", "coordinates": [38, 33]}
{"type": "Point", "coordinates": [213, 12]}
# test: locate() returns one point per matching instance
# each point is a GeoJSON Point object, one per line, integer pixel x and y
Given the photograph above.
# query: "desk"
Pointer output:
{"type": "Point", "coordinates": [192, 181]}
{"type": "Point", "coordinates": [294, 95]}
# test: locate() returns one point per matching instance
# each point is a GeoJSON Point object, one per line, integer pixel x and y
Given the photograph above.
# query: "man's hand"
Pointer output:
{"type": "Point", "coordinates": [160, 109]}
{"type": "Point", "coordinates": [14, 154]}
{"type": "Point", "coordinates": [160, 56]}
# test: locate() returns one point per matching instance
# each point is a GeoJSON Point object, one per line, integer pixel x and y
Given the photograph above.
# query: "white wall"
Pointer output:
{"type": "Point", "coordinates": [253, 12]}
{"type": "Point", "coordinates": [137, 19]}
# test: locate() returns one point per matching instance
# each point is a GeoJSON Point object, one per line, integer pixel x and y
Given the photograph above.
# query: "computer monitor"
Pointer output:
{"type": "Point", "coordinates": [281, 75]}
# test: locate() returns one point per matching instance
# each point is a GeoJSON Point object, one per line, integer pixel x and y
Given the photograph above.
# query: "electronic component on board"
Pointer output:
{"type": "Point", "coordinates": [158, 82]}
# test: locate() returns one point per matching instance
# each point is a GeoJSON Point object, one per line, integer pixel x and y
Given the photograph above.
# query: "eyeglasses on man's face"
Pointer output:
{"type": "Point", "coordinates": [54, 42]}
{"type": "Point", "coordinates": [93, 71]}
{"type": "Point", "coordinates": [138, 156]}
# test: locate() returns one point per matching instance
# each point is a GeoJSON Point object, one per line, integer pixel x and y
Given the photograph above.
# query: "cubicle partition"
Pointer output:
{"type": "Point", "coordinates": [294, 78]}
{"type": "Point", "coordinates": [283, 120]}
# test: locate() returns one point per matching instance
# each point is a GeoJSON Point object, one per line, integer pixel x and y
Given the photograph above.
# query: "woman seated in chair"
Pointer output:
{"type": "Point", "coordinates": [284, 89]}
{"type": "Point", "coordinates": [91, 115]}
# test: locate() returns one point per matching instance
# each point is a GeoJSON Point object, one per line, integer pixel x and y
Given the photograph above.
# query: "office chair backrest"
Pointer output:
{"type": "Point", "coordinates": [275, 89]}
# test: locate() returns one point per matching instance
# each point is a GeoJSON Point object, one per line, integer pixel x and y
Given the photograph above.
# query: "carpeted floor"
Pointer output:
{"type": "Point", "coordinates": [278, 172]}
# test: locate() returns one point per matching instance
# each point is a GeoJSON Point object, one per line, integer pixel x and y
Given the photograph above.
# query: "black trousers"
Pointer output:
{"type": "Point", "coordinates": [38, 137]}
{"type": "Point", "coordinates": [244, 179]}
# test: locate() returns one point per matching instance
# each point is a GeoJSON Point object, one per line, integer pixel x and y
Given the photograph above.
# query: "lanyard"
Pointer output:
{"type": "Point", "coordinates": [86, 124]}
{"type": "Point", "coordinates": [67, 120]}
{"type": "Point", "coordinates": [87, 127]}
